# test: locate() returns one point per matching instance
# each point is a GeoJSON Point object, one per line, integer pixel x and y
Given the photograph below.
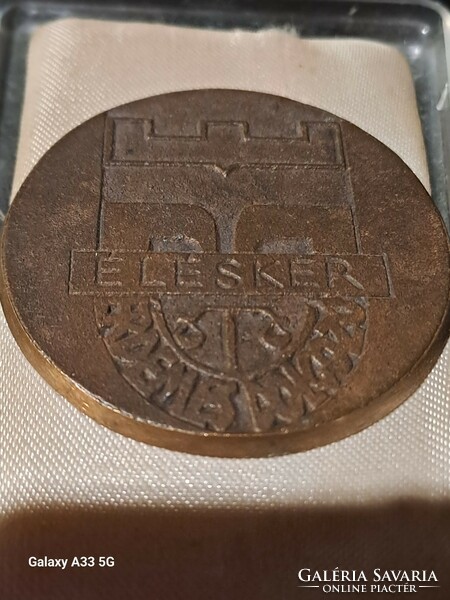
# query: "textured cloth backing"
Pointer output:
{"type": "Point", "coordinates": [50, 454]}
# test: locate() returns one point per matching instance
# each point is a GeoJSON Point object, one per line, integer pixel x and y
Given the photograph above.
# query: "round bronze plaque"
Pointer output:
{"type": "Point", "coordinates": [226, 273]}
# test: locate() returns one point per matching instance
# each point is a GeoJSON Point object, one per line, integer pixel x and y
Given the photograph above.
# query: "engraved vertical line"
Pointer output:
{"type": "Point", "coordinates": [352, 196]}
{"type": "Point", "coordinates": [355, 223]}
{"type": "Point", "coordinates": [338, 145]}
{"type": "Point", "coordinates": [247, 407]}
{"type": "Point", "coordinates": [70, 271]}
{"type": "Point", "coordinates": [388, 276]}
{"type": "Point", "coordinates": [229, 338]}
{"type": "Point", "coordinates": [106, 133]}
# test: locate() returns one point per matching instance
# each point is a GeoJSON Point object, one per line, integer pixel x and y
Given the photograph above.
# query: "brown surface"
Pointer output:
{"type": "Point", "coordinates": [221, 554]}
{"type": "Point", "coordinates": [226, 273]}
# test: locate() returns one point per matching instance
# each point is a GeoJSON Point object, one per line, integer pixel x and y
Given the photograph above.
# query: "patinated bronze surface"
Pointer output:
{"type": "Point", "coordinates": [226, 273]}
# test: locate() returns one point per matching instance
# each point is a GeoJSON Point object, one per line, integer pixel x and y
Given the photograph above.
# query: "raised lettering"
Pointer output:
{"type": "Point", "coordinates": [109, 266]}
{"type": "Point", "coordinates": [263, 277]}
{"type": "Point", "coordinates": [187, 275]}
{"type": "Point", "coordinates": [305, 273]}
{"type": "Point", "coordinates": [147, 279]}
{"type": "Point", "coordinates": [339, 268]}
{"type": "Point", "coordinates": [228, 277]}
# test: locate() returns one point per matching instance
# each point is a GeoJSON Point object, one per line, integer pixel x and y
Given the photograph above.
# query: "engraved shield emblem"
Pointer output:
{"type": "Point", "coordinates": [249, 316]}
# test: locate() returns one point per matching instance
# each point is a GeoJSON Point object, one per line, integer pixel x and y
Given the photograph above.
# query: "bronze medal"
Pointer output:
{"type": "Point", "coordinates": [226, 273]}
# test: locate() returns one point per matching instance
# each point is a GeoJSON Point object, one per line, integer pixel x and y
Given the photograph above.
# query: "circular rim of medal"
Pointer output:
{"type": "Point", "coordinates": [225, 445]}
